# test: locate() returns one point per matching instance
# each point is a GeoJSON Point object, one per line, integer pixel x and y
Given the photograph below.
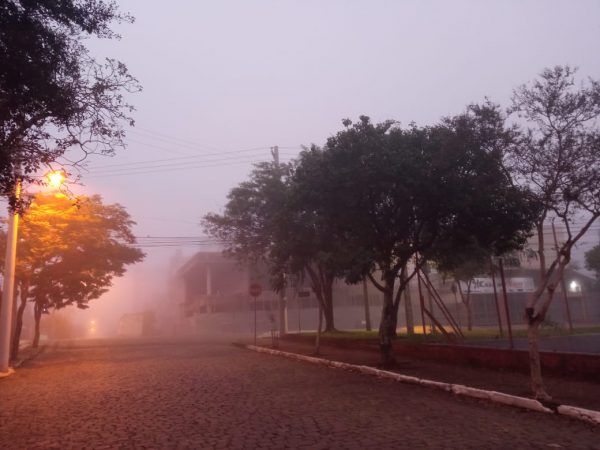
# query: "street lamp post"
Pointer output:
{"type": "Point", "coordinates": [55, 179]}
{"type": "Point", "coordinates": [6, 311]}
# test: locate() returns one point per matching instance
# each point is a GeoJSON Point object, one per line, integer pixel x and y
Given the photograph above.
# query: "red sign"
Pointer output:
{"type": "Point", "coordinates": [255, 289]}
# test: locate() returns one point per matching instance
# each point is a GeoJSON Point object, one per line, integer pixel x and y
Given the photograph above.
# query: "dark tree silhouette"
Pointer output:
{"type": "Point", "coordinates": [53, 94]}
{"type": "Point", "coordinates": [393, 194]}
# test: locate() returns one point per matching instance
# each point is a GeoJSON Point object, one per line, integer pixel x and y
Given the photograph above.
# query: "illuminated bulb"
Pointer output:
{"type": "Point", "coordinates": [56, 178]}
{"type": "Point", "coordinates": [573, 286]}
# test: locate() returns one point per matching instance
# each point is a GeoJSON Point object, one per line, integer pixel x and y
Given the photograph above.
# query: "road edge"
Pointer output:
{"type": "Point", "coordinates": [574, 412]}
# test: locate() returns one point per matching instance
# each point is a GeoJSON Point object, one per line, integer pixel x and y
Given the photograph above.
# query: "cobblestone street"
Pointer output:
{"type": "Point", "coordinates": [115, 394]}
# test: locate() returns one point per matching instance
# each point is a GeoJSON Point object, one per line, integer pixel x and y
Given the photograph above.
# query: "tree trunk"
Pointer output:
{"type": "Point", "coordinates": [541, 251]}
{"type": "Point", "coordinates": [282, 304]}
{"type": "Point", "coordinates": [430, 306]}
{"type": "Point", "coordinates": [322, 286]}
{"type": "Point", "coordinates": [549, 279]}
{"type": "Point", "coordinates": [387, 329]}
{"type": "Point", "coordinates": [457, 308]}
{"type": "Point", "coordinates": [394, 325]}
{"type": "Point", "coordinates": [467, 302]}
{"type": "Point", "coordinates": [318, 338]}
{"type": "Point", "coordinates": [37, 314]}
{"type": "Point", "coordinates": [469, 316]}
{"type": "Point", "coordinates": [469, 310]}
{"type": "Point", "coordinates": [534, 320]}
{"type": "Point", "coordinates": [535, 366]}
{"type": "Point", "coordinates": [408, 312]}
{"type": "Point", "coordinates": [366, 300]}
{"type": "Point", "coordinates": [16, 338]}
{"type": "Point", "coordinates": [328, 304]}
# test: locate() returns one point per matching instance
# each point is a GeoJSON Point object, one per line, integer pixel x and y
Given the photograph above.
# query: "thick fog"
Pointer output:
{"type": "Point", "coordinates": [224, 81]}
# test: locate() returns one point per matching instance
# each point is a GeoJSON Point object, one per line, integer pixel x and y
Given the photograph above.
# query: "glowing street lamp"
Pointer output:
{"type": "Point", "coordinates": [574, 286]}
{"type": "Point", "coordinates": [54, 179]}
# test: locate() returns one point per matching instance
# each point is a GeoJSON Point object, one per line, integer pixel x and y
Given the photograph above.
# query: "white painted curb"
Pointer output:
{"type": "Point", "coordinates": [8, 373]}
{"type": "Point", "coordinates": [574, 412]}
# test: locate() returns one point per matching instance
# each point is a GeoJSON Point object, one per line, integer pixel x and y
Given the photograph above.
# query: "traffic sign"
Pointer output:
{"type": "Point", "coordinates": [255, 289]}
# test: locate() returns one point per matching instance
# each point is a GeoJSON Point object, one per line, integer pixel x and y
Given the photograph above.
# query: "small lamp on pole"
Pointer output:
{"type": "Point", "coordinates": [54, 179]}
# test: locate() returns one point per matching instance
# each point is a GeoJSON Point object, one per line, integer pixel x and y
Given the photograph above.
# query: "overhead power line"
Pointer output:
{"type": "Point", "coordinates": [179, 158]}
{"type": "Point", "coordinates": [175, 164]}
{"type": "Point", "coordinates": [164, 170]}
{"type": "Point", "coordinates": [175, 138]}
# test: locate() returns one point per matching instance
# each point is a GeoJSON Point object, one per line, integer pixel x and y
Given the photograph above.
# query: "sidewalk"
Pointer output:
{"type": "Point", "coordinates": [584, 394]}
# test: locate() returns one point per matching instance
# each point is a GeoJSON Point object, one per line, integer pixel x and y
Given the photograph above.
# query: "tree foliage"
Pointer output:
{"type": "Point", "coordinates": [377, 196]}
{"type": "Point", "coordinates": [265, 221]}
{"type": "Point", "coordinates": [394, 194]}
{"type": "Point", "coordinates": [53, 94]}
{"type": "Point", "coordinates": [90, 244]}
{"type": "Point", "coordinates": [592, 260]}
{"type": "Point", "coordinates": [71, 250]}
{"type": "Point", "coordinates": [558, 159]}
{"type": "Point", "coordinates": [249, 224]}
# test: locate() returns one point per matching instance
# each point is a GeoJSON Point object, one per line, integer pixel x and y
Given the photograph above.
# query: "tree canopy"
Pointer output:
{"type": "Point", "coordinates": [73, 249]}
{"type": "Point", "coordinates": [558, 160]}
{"type": "Point", "coordinates": [376, 197]}
{"type": "Point", "coordinates": [265, 221]}
{"type": "Point", "coordinates": [70, 250]}
{"type": "Point", "coordinates": [394, 194]}
{"type": "Point", "coordinates": [592, 260]}
{"type": "Point", "coordinates": [53, 93]}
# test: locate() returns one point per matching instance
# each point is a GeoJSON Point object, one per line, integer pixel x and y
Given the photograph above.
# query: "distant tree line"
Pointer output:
{"type": "Point", "coordinates": [379, 200]}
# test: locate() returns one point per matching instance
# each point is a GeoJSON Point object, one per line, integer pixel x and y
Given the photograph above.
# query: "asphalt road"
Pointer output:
{"type": "Point", "coordinates": [214, 395]}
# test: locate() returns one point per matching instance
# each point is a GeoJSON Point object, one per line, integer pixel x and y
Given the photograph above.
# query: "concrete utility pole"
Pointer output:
{"type": "Point", "coordinates": [6, 309]}
{"type": "Point", "coordinates": [282, 303]}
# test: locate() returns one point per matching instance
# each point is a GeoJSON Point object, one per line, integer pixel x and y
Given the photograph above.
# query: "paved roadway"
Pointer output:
{"type": "Point", "coordinates": [214, 395]}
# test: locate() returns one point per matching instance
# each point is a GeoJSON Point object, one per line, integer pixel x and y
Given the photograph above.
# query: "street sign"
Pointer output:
{"type": "Point", "coordinates": [255, 289]}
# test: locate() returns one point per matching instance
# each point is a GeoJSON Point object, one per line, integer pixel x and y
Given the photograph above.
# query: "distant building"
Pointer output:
{"type": "Point", "coordinates": [215, 297]}
{"type": "Point", "coordinates": [213, 283]}
{"type": "Point", "coordinates": [137, 324]}
{"type": "Point", "coordinates": [520, 283]}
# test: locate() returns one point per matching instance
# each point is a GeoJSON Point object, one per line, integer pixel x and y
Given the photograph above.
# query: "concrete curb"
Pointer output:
{"type": "Point", "coordinates": [574, 412]}
{"type": "Point", "coordinates": [7, 374]}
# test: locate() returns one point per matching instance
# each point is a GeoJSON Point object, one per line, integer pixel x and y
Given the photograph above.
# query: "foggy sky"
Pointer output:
{"type": "Point", "coordinates": [232, 75]}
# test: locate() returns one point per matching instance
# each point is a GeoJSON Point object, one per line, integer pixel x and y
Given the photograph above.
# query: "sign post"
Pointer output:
{"type": "Point", "coordinates": [255, 290]}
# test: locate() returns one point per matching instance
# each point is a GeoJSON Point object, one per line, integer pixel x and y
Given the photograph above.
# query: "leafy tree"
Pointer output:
{"type": "Point", "coordinates": [314, 244]}
{"type": "Point", "coordinates": [592, 260]}
{"type": "Point", "coordinates": [53, 93]}
{"type": "Point", "coordinates": [264, 221]}
{"type": "Point", "coordinates": [69, 253]}
{"type": "Point", "coordinates": [558, 159]}
{"type": "Point", "coordinates": [473, 261]}
{"type": "Point", "coordinates": [393, 194]}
